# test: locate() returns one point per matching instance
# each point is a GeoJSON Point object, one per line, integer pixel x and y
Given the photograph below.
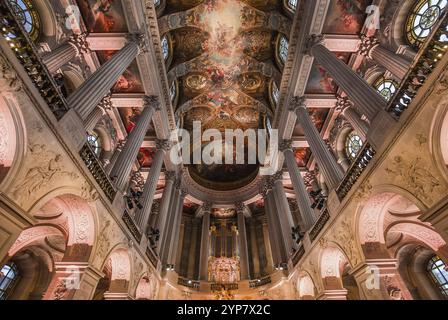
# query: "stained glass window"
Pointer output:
{"type": "Point", "coordinates": [8, 279]}
{"type": "Point", "coordinates": [439, 274]}
{"type": "Point", "coordinates": [422, 19]}
{"type": "Point", "coordinates": [283, 49]}
{"type": "Point", "coordinates": [292, 4]}
{"type": "Point", "coordinates": [95, 143]}
{"type": "Point", "coordinates": [275, 93]}
{"type": "Point", "coordinates": [353, 145]}
{"type": "Point", "coordinates": [386, 88]}
{"type": "Point", "coordinates": [165, 47]}
{"type": "Point", "coordinates": [28, 16]}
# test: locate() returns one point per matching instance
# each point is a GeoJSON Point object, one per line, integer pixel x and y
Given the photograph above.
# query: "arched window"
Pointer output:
{"type": "Point", "coordinates": [353, 144]}
{"type": "Point", "coordinates": [156, 3]}
{"type": "Point", "coordinates": [28, 16]}
{"type": "Point", "coordinates": [275, 92]}
{"type": "Point", "coordinates": [438, 272]}
{"type": "Point", "coordinates": [9, 275]}
{"type": "Point", "coordinates": [386, 88]}
{"type": "Point", "coordinates": [165, 48]}
{"type": "Point", "coordinates": [292, 4]}
{"type": "Point", "coordinates": [422, 19]}
{"type": "Point", "coordinates": [95, 143]}
{"type": "Point", "coordinates": [283, 48]}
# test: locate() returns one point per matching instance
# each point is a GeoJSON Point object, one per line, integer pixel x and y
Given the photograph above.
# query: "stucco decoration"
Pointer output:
{"type": "Point", "coordinates": [45, 166]}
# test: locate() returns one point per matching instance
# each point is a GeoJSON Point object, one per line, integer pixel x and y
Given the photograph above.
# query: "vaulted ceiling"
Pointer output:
{"type": "Point", "coordinates": [222, 62]}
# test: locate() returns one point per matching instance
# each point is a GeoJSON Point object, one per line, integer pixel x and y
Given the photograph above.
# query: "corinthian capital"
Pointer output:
{"type": "Point", "coordinates": [285, 145]}
{"type": "Point", "coordinates": [367, 45]}
{"type": "Point", "coordinates": [164, 145]}
{"type": "Point", "coordinates": [79, 41]}
{"type": "Point", "coordinates": [151, 102]}
{"type": "Point", "coordinates": [342, 103]}
{"type": "Point", "coordinates": [313, 40]}
{"type": "Point", "coordinates": [297, 102]}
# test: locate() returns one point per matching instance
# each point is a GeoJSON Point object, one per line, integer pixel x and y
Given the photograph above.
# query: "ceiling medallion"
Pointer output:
{"type": "Point", "coordinates": [196, 82]}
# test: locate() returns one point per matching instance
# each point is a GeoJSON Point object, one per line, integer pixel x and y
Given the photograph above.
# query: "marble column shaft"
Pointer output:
{"type": "Point", "coordinates": [125, 161]}
{"type": "Point", "coordinates": [242, 243]}
{"type": "Point", "coordinates": [173, 245]}
{"type": "Point", "coordinates": [303, 200]}
{"type": "Point", "coordinates": [205, 243]}
{"type": "Point", "coordinates": [371, 48]}
{"type": "Point", "coordinates": [284, 215]}
{"type": "Point", "coordinates": [361, 93]}
{"type": "Point", "coordinates": [149, 190]}
{"type": "Point", "coordinates": [85, 99]}
{"type": "Point", "coordinates": [168, 229]}
{"type": "Point", "coordinates": [330, 169]}
{"type": "Point", "coordinates": [66, 52]}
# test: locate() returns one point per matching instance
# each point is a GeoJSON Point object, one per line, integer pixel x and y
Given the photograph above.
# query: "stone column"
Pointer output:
{"type": "Point", "coordinates": [122, 168]}
{"type": "Point", "coordinates": [149, 190]}
{"type": "Point", "coordinates": [371, 48]}
{"type": "Point", "coordinates": [330, 169]}
{"type": "Point", "coordinates": [361, 93]}
{"type": "Point", "coordinates": [205, 241]}
{"type": "Point", "coordinates": [242, 241]}
{"type": "Point", "coordinates": [158, 221]}
{"type": "Point", "coordinates": [302, 196]}
{"type": "Point", "coordinates": [85, 99]}
{"type": "Point", "coordinates": [283, 212]}
{"type": "Point", "coordinates": [349, 113]}
{"type": "Point", "coordinates": [173, 245]}
{"type": "Point", "coordinates": [116, 154]}
{"type": "Point", "coordinates": [168, 225]}
{"type": "Point", "coordinates": [75, 46]}
{"type": "Point", "coordinates": [94, 117]}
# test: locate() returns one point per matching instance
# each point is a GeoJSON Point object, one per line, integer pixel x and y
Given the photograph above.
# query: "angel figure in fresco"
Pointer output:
{"type": "Point", "coordinates": [350, 9]}
{"type": "Point", "coordinates": [101, 14]}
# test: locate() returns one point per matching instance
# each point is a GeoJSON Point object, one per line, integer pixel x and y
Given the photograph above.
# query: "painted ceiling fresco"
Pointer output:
{"type": "Point", "coordinates": [103, 16]}
{"type": "Point", "coordinates": [129, 117]}
{"type": "Point", "coordinates": [145, 157]}
{"type": "Point", "coordinates": [302, 156]}
{"type": "Point", "coordinates": [223, 59]}
{"type": "Point", "coordinates": [346, 16]}
{"type": "Point", "coordinates": [130, 81]}
{"type": "Point", "coordinates": [320, 82]}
